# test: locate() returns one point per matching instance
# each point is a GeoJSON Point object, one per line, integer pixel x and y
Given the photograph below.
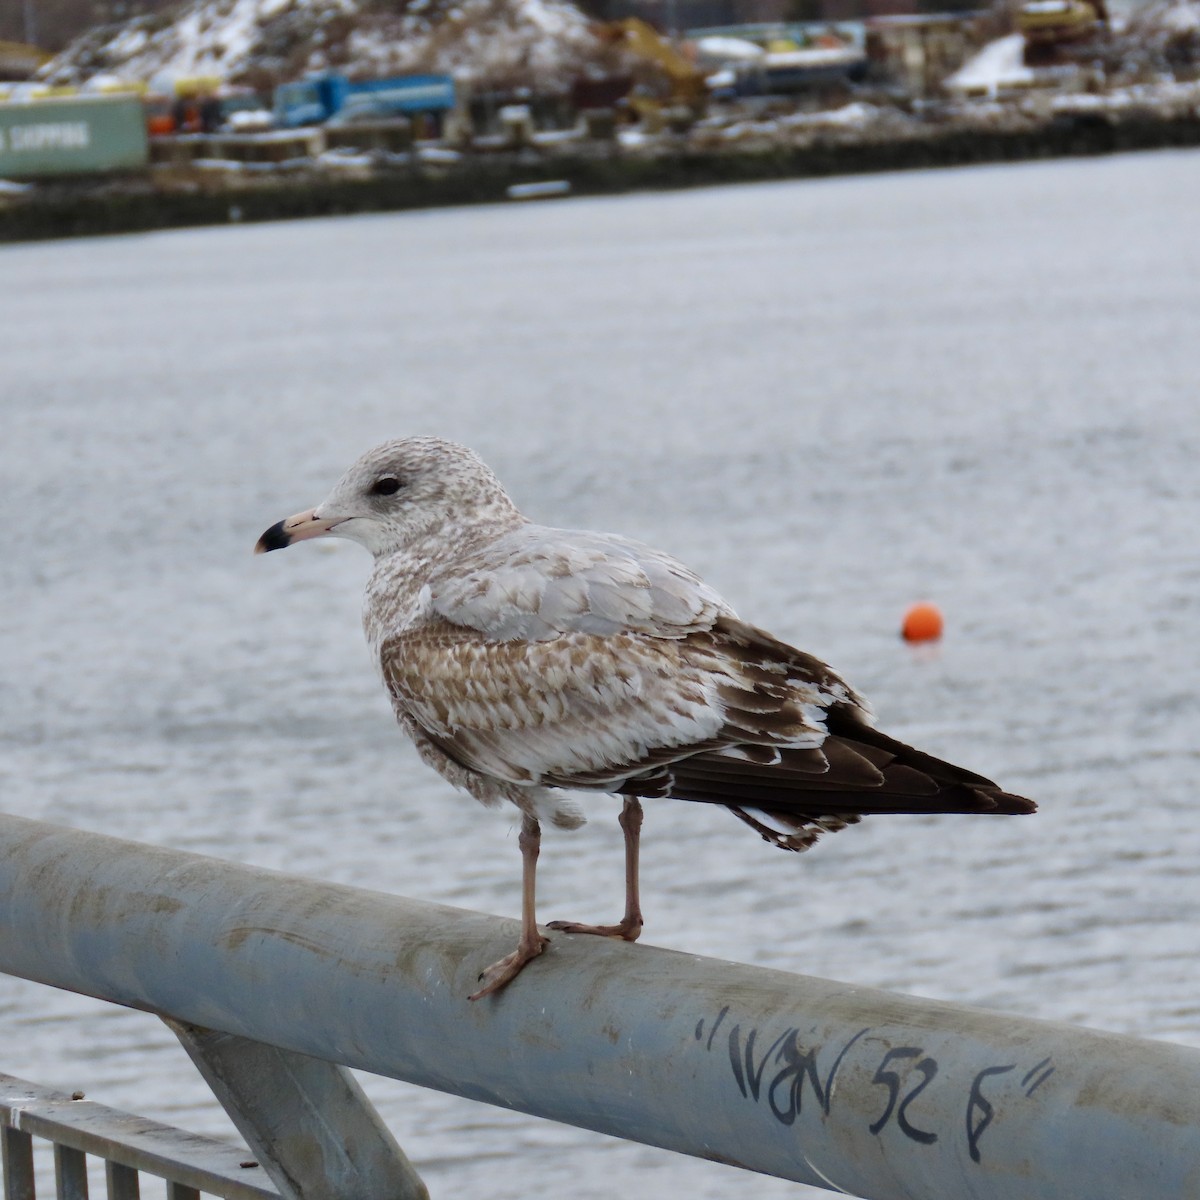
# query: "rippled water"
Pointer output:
{"type": "Point", "coordinates": [831, 397]}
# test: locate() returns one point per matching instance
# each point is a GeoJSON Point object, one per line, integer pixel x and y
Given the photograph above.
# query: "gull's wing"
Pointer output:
{"type": "Point", "coordinates": [580, 660]}
{"type": "Point", "coordinates": [559, 657]}
{"type": "Point", "coordinates": [537, 583]}
{"type": "Point", "coordinates": [615, 712]}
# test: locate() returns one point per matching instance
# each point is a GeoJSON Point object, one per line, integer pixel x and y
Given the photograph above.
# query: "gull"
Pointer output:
{"type": "Point", "coordinates": [527, 663]}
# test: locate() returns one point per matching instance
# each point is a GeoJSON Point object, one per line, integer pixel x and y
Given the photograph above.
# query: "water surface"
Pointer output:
{"type": "Point", "coordinates": [832, 397]}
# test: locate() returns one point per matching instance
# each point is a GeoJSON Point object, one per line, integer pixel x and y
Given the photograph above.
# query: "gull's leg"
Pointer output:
{"type": "Point", "coordinates": [532, 943]}
{"type": "Point", "coordinates": [630, 925]}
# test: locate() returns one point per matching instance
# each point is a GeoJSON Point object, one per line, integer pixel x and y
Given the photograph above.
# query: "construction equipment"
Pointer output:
{"type": "Point", "coordinates": [1050, 25]}
{"type": "Point", "coordinates": [668, 79]}
{"type": "Point", "coordinates": [18, 61]}
{"type": "Point", "coordinates": [333, 97]}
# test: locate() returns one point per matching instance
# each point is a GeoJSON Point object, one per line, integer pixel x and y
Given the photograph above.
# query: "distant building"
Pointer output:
{"type": "Point", "coordinates": [916, 51]}
{"type": "Point", "coordinates": [677, 15]}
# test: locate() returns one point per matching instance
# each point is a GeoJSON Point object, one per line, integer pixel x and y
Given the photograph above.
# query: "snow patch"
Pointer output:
{"type": "Point", "coordinates": [497, 43]}
{"type": "Point", "coordinates": [1000, 64]}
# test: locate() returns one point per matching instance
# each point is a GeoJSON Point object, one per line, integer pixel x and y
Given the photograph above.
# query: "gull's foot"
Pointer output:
{"type": "Point", "coordinates": [629, 929]}
{"type": "Point", "coordinates": [501, 973]}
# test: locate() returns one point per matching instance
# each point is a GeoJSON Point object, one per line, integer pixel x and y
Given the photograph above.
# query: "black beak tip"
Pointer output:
{"type": "Point", "coordinates": [274, 539]}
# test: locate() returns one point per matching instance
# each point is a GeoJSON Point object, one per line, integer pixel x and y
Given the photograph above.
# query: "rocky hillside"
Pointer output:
{"type": "Point", "coordinates": [492, 43]}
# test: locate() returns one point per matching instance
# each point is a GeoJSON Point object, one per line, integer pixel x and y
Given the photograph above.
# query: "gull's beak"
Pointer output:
{"type": "Point", "coordinates": [295, 529]}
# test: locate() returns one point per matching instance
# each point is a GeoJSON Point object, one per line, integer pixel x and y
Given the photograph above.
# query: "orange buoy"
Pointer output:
{"type": "Point", "coordinates": [922, 623]}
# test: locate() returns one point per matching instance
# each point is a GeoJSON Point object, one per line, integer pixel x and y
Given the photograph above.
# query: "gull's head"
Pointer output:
{"type": "Point", "coordinates": [401, 493]}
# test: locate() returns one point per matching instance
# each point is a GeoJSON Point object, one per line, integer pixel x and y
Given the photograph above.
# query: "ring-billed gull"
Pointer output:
{"type": "Point", "coordinates": [524, 660]}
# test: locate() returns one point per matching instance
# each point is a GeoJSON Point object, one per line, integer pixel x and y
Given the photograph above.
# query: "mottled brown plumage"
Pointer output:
{"type": "Point", "coordinates": [525, 661]}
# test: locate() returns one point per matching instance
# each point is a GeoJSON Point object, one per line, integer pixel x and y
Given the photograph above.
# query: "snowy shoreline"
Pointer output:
{"type": "Point", "coordinates": [217, 192]}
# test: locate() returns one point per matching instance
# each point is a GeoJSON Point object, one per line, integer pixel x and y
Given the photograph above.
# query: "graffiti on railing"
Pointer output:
{"type": "Point", "coordinates": [783, 1073]}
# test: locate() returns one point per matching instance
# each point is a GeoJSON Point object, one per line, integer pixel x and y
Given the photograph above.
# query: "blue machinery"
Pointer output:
{"type": "Point", "coordinates": [320, 97]}
{"type": "Point", "coordinates": [275, 984]}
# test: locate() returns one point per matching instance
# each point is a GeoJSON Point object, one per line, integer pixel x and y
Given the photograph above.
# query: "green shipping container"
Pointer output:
{"type": "Point", "coordinates": [73, 135]}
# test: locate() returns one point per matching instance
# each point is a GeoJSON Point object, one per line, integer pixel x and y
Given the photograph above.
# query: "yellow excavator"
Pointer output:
{"type": "Point", "coordinates": [1051, 25]}
{"type": "Point", "coordinates": [18, 61]}
{"type": "Point", "coordinates": [672, 81]}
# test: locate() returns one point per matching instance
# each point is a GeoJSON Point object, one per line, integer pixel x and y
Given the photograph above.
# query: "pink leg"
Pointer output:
{"type": "Point", "coordinates": [630, 925]}
{"type": "Point", "coordinates": [532, 943]}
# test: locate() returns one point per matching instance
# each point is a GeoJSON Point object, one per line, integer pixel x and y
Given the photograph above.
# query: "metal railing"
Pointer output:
{"type": "Point", "coordinates": [127, 1145]}
{"type": "Point", "coordinates": [874, 1094]}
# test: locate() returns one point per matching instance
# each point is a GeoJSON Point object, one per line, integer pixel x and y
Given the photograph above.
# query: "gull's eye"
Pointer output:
{"type": "Point", "coordinates": [389, 485]}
